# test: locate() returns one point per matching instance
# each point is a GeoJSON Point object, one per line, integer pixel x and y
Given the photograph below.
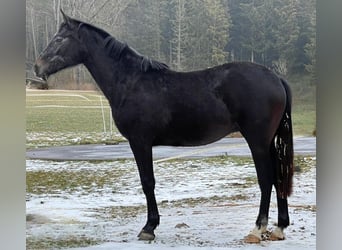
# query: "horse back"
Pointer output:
{"type": "Point", "coordinates": [200, 107]}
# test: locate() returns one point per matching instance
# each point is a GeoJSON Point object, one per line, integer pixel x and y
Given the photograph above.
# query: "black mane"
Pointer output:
{"type": "Point", "coordinates": [117, 49]}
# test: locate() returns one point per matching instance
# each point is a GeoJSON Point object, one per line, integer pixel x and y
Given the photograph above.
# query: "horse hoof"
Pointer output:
{"type": "Point", "coordinates": [252, 239]}
{"type": "Point", "coordinates": [277, 234]}
{"type": "Point", "coordinates": [143, 235]}
{"type": "Point", "coordinates": [276, 238]}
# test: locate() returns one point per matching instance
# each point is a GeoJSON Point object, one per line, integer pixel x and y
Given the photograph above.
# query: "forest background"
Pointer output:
{"type": "Point", "coordinates": [190, 34]}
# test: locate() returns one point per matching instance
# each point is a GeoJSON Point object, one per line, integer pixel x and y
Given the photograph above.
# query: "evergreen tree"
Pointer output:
{"type": "Point", "coordinates": [198, 39]}
{"type": "Point", "coordinates": [217, 30]}
{"type": "Point", "coordinates": [189, 34]}
{"type": "Point", "coordinates": [204, 34]}
{"type": "Point", "coordinates": [286, 32]}
{"type": "Point", "coordinates": [310, 47]}
{"type": "Point", "coordinates": [180, 33]}
{"type": "Point", "coordinates": [306, 43]}
{"type": "Point", "coordinates": [144, 19]}
{"type": "Point", "coordinates": [253, 16]}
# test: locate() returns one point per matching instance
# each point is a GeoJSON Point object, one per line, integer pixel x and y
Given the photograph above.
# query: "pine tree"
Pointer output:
{"type": "Point", "coordinates": [286, 31]}
{"type": "Point", "coordinates": [144, 32]}
{"type": "Point", "coordinates": [310, 47]}
{"type": "Point", "coordinates": [254, 28]}
{"type": "Point", "coordinates": [306, 43]}
{"type": "Point", "coordinates": [199, 40]}
{"type": "Point", "coordinates": [180, 33]}
{"type": "Point", "coordinates": [217, 30]}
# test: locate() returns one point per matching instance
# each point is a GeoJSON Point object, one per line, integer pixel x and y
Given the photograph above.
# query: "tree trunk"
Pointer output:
{"type": "Point", "coordinates": [33, 26]}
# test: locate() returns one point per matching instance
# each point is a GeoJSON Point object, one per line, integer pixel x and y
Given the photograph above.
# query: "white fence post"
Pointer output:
{"type": "Point", "coordinates": [103, 116]}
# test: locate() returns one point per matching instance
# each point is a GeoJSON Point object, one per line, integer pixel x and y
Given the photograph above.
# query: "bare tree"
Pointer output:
{"type": "Point", "coordinates": [56, 8]}
{"type": "Point", "coordinates": [180, 32]}
{"type": "Point", "coordinates": [33, 30]}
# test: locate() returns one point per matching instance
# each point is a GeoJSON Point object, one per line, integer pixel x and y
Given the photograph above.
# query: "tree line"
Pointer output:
{"type": "Point", "coordinates": [188, 34]}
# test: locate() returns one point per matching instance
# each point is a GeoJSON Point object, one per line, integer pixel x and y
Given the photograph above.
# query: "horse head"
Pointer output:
{"type": "Point", "coordinates": [64, 50]}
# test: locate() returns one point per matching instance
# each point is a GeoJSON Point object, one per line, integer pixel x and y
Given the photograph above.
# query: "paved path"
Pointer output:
{"type": "Point", "coordinates": [225, 146]}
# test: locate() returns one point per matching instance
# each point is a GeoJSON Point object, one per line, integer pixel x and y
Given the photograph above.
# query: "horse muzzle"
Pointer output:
{"type": "Point", "coordinates": [43, 68]}
{"type": "Point", "coordinates": [40, 70]}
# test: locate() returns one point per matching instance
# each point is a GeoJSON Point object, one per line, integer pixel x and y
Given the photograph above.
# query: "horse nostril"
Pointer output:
{"type": "Point", "coordinates": [39, 70]}
{"type": "Point", "coordinates": [37, 65]}
{"type": "Point", "coordinates": [36, 69]}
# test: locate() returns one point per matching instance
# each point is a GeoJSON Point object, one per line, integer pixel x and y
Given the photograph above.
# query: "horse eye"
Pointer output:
{"type": "Point", "coordinates": [59, 39]}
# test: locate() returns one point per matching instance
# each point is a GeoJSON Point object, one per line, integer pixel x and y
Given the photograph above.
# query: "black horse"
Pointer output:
{"type": "Point", "coordinates": [154, 105]}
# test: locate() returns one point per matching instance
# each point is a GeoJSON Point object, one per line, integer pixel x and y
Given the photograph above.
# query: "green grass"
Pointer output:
{"type": "Point", "coordinates": [66, 111]}
{"type": "Point", "coordinates": [304, 122]}
{"type": "Point", "coordinates": [59, 117]}
{"type": "Point", "coordinates": [303, 104]}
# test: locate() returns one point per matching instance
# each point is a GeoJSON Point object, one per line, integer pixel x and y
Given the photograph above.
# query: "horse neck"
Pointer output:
{"type": "Point", "coordinates": [111, 75]}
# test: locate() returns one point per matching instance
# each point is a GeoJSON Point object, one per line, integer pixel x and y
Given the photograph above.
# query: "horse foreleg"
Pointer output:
{"type": "Point", "coordinates": [143, 158]}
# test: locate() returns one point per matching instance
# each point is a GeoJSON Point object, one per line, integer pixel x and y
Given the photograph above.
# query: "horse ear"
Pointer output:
{"type": "Point", "coordinates": [67, 19]}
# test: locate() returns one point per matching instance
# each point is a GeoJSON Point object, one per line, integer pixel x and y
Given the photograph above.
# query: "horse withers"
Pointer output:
{"type": "Point", "coordinates": [154, 105]}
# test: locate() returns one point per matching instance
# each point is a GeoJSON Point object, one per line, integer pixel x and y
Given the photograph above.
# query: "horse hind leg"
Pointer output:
{"type": "Point", "coordinates": [265, 173]}
{"type": "Point", "coordinates": [283, 213]}
{"type": "Point", "coordinates": [283, 220]}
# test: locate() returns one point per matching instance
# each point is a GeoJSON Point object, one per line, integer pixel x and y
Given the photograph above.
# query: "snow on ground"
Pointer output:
{"type": "Point", "coordinates": [204, 203]}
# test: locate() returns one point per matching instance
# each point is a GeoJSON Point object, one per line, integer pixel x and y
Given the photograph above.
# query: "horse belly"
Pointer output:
{"type": "Point", "coordinates": [207, 135]}
{"type": "Point", "coordinates": [195, 133]}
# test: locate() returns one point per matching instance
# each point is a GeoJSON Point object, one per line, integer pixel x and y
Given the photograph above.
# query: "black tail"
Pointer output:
{"type": "Point", "coordinates": [284, 148]}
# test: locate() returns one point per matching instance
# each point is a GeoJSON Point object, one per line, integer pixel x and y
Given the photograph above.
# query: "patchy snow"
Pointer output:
{"type": "Point", "coordinates": [206, 204]}
{"type": "Point", "coordinates": [48, 139]}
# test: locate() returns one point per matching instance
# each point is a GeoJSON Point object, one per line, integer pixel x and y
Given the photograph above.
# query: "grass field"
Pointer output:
{"type": "Point", "coordinates": [56, 117]}
{"type": "Point", "coordinates": [60, 117]}
{"type": "Point", "coordinates": [66, 111]}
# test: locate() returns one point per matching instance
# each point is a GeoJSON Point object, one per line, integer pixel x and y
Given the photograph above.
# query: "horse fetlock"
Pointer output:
{"type": "Point", "coordinates": [277, 234]}
{"type": "Point", "coordinates": [255, 236]}
{"type": "Point", "coordinates": [283, 222]}
{"type": "Point", "coordinates": [261, 224]}
{"type": "Point", "coordinates": [152, 222]}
